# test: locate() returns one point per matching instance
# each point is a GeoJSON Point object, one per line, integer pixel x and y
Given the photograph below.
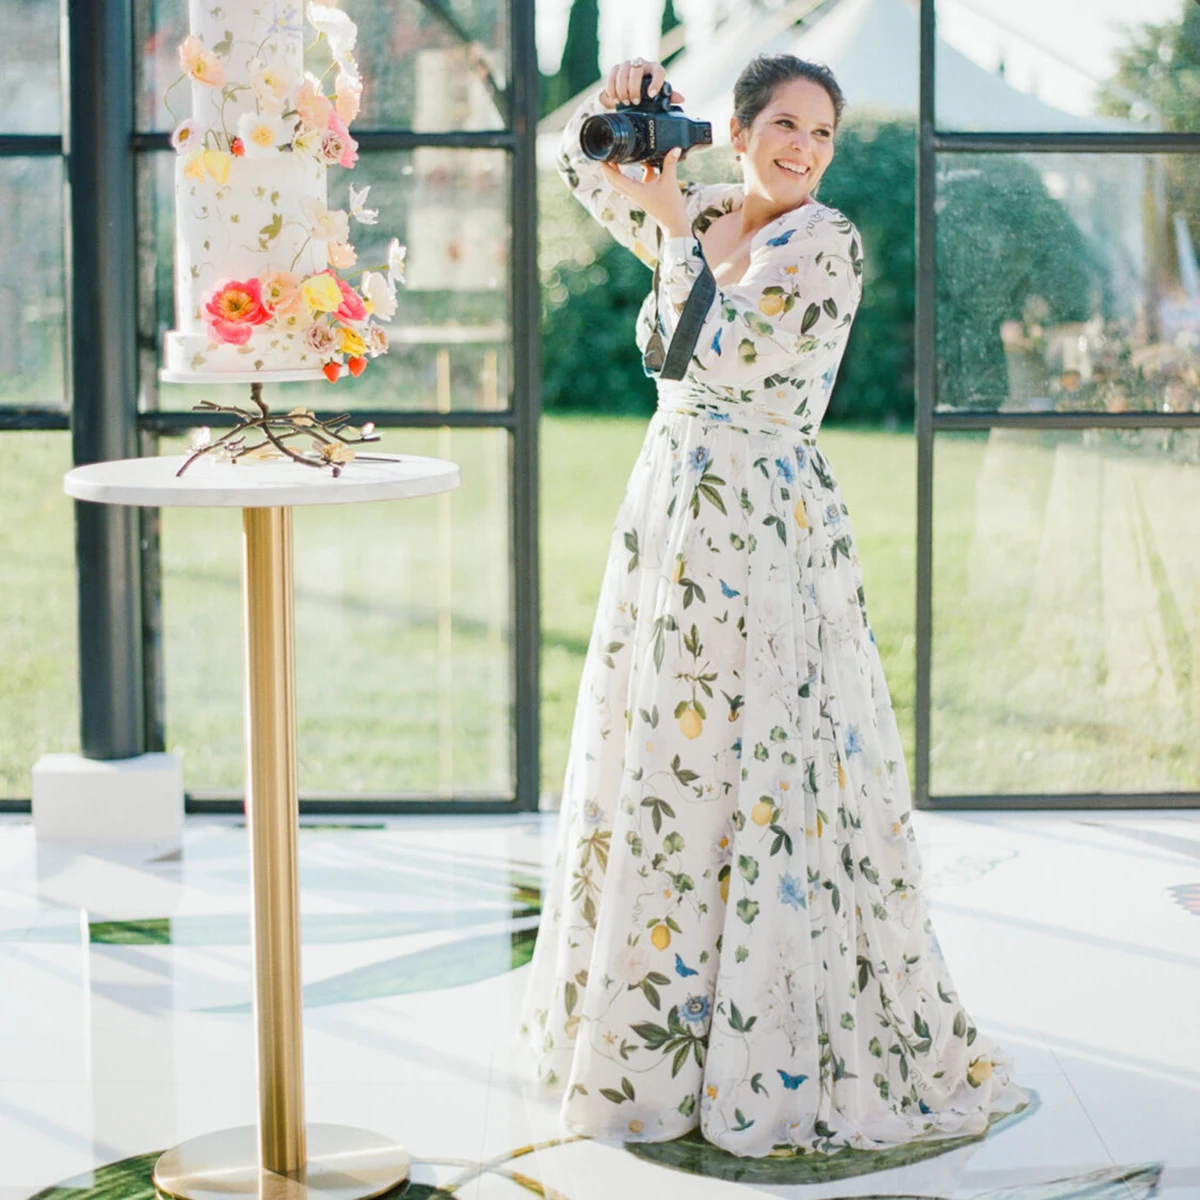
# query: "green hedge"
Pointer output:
{"type": "Point", "coordinates": [592, 288]}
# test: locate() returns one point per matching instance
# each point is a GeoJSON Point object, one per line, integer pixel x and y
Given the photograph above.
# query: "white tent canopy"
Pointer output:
{"type": "Point", "coordinates": [872, 46]}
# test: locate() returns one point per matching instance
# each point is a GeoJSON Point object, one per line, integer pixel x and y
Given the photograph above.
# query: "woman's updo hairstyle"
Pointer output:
{"type": "Point", "coordinates": [762, 75]}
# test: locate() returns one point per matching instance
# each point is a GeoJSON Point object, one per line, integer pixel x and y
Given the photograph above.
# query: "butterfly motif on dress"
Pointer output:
{"type": "Point", "coordinates": [782, 239]}
{"type": "Point", "coordinates": [716, 343]}
{"type": "Point", "coordinates": [791, 1082]}
{"type": "Point", "coordinates": [682, 969]}
{"type": "Point", "coordinates": [727, 591]}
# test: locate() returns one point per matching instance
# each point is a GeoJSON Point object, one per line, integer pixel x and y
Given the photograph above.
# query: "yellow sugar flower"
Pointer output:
{"type": "Point", "coordinates": [350, 341]}
{"type": "Point", "coordinates": [321, 293]}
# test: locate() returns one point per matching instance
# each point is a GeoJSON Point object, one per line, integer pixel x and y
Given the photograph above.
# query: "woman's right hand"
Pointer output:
{"type": "Point", "coordinates": [623, 84]}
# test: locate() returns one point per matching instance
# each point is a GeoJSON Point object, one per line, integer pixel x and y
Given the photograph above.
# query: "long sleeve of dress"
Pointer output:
{"type": "Point", "coordinates": [800, 290]}
{"type": "Point", "coordinates": [630, 225]}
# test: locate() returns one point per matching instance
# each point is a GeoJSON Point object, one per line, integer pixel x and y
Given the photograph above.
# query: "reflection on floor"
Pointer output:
{"type": "Point", "coordinates": [125, 1020]}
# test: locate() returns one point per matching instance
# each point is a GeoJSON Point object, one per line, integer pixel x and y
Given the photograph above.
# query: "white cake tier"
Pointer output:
{"type": "Point", "coordinates": [248, 35]}
{"type": "Point", "coordinates": [269, 354]}
{"type": "Point", "coordinates": [252, 223]}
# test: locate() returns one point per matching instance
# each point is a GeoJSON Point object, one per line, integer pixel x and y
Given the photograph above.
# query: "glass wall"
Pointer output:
{"type": "Point", "coordinates": [408, 644]}
{"type": "Point", "coordinates": [39, 686]}
{"type": "Point", "coordinates": [1058, 406]}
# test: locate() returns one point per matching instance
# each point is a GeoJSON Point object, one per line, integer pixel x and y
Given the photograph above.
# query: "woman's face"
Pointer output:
{"type": "Point", "coordinates": [788, 145]}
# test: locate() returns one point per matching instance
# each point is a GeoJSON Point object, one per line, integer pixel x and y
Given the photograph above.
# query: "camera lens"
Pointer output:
{"type": "Point", "coordinates": [609, 138]}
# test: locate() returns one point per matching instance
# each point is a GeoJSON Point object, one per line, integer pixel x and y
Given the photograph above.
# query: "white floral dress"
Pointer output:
{"type": "Point", "coordinates": [734, 935]}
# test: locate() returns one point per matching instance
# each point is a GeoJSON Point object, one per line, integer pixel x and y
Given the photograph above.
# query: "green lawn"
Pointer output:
{"type": "Point", "coordinates": [1066, 611]}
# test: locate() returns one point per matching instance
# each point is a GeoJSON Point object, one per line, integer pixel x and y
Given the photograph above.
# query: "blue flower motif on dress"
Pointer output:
{"type": "Point", "coordinates": [699, 458]}
{"type": "Point", "coordinates": [833, 515]}
{"type": "Point", "coordinates": [593, 814]}
{"type": "Point", "coordinates": [801, 457]}
{"type": "Point", "coordinates": [785, 470]}
{"type": "Point", "coordinates": [828, 378]}
{"type": "Point", "coordinates": [695, 1010]}
{"type": "Point", "coordinates": [792, 891]}
{"type": "Point", "coordinates": [853, 741]}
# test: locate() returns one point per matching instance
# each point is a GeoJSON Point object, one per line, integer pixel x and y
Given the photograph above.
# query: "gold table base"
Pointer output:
{"type": "Point", "coordinates": [343, 1164]}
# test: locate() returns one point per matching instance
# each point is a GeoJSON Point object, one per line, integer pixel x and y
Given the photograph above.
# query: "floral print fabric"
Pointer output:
{"type": "Point", "coordinates": [734, 935]}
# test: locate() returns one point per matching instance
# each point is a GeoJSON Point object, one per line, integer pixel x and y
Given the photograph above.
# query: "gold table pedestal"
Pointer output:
{"type": "Point", "coordinates": [281, 1158]}
{"type": "Point", "coordinates": [343, 1164]}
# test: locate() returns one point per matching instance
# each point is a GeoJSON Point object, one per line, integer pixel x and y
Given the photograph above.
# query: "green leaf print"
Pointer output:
{"type": "Point", "coordinates": [847, 1021]}
{"type": "Point", "coordinates": [759, 325]}
{"type": "Point", "coordinates": [748, 867]}
{"type": "Point", "coordinates": [631, 544]}
{"type": "Point", "coordinates": [673, 842]}
{"type": "Point", "coordinates": [661, 626]}
{"type": "Point", "coordinates": [756, 1084]}
{"type": "Point", "coordinates": [811, 315]}
{"type": "Point", "coordinates": [747, 910]}
{"type": "Point", "coordinates": [830, 307]}
{"type": "Point", "coordinates": [742, 1123]}
{"type": "Point", "coordinates": [613, 1095]}
{"type": "Point", "coordinates": [875, 1048]}
{"type": "Point", "coordinates": [737, 1022]}
{"type": "Point", "coordinates": [783, 840]}
{"type": "Point", "coordinates": [570, 996]}
{"type": "Point", "coordinates": [780, 527]}
{"type": "Point", "coordinates": [746, 351]}
{"type": "Point", "coordinates": [779, 734]}
{"type": "Point", "coordinates": [960, 1024]}
{"type": "Point", "coordinates": [658, 808]}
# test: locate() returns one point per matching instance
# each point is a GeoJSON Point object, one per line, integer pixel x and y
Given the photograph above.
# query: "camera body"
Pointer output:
{"type": "Point", "coordinates": [643, 132]}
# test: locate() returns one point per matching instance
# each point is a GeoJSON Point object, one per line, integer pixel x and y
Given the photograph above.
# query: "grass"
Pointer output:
{"type": "Point", "coordinates": [1066, 611]}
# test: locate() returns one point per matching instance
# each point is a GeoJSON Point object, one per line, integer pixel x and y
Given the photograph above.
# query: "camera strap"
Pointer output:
{"type": "Point", "coordinates": [671, 362]}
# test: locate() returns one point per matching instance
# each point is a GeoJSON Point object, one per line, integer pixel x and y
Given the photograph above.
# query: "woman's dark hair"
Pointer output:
{"type": "Point", "coordinates": [762, 75]}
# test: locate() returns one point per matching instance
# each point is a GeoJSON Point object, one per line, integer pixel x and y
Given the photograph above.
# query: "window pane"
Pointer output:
{"type": "Point", "coordinates": [1068, 283]}
{"type": "Point", "coordinates": [32, 325]}
{"type": "Point", "coordinates": [450, 338]}
{"type": "Point", "coordinates": [1061, 66]}
{"type": "Point", "coordinates": [427, 67]}
{"type": "Point", "coordinates": [1066, 644]}
{"type": "Point", "coordinates": [30, 91]}
{"type": "Point", "coordinates": [39, 685]}
{"type": "Point", "coordinates": [403, 634]}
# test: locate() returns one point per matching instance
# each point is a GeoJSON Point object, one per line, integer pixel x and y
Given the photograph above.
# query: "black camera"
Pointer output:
{"type": "Point", "coordinates": [643, 132]}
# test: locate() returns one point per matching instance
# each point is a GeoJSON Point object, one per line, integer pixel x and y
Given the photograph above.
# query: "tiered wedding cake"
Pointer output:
{"type": "Point", "coordinates": [257, 251]}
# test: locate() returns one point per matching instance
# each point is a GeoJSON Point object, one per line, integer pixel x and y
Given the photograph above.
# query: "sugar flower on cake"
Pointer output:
{"type": "Point", "coordinates": [262, 134]}
{"type": "Point", "coordinates": [396, 254]}
{"type": "Point", "coordinates": [380, 295]}
{"type": "Point", "coordinates": [271, 87]}
{"type": "Point", "coordinates": [321, 293]}
{"type": "Point", "coordinates": [214, 163]}
{"type": "Point", "coordinates": [233, 311]}
{"type": "Point", "coordinates": [365, 216]}
{"type": "Point", "coordinates": [347, 96]}
{"type": "Point", "coordinates": [200, 64]}
{"type": "Point", "coordinates": [186, 136]}
{"type": "Point", "coordinates": [337, 146]}
{"type": "Point", "coordinates": [281, 293]}
{"type": "Point", "coordinates": [339, 31]}
{"type": "Point", "coordinates": [321, 338]}
{"type": "Point", "coordinates": [341, 255]}
{"type": "Point", "coordinates": [312, 105]}
{"type": "Point", "coordinates": [325, 224]}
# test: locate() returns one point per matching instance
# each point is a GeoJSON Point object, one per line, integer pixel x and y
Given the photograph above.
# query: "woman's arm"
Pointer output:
{"type": "Point", "coordinates": [801, 289]}
{"type": "Point", "coordinates": [592, 182]}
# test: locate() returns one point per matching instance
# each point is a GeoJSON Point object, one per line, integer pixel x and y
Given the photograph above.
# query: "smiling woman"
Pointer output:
{"type": "Point", "coordinates": [735, 935]}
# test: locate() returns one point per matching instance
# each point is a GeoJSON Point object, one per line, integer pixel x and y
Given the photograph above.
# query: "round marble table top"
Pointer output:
{"type": "Point", "coordinates": [207, 483]}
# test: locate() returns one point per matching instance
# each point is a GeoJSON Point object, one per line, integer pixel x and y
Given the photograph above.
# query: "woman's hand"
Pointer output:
{"type": "Point", "coordinates": [658, 191]}
{"type": "Point", "coordinates": [623, 83]}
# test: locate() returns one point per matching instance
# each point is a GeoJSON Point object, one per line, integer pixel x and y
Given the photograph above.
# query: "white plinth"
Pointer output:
{"type": "Point", "coordinates": [77, 799]}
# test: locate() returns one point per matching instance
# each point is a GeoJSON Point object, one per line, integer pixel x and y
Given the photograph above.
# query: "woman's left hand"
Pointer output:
{"type": "Point", "coordinates": [657, 193]}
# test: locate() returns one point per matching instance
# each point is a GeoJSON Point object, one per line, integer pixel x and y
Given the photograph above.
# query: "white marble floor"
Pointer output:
{"type": "Point", "coordinates": [125, 1024]}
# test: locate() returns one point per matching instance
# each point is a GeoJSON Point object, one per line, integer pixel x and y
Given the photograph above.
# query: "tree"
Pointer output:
{"type": "Point", "coordinates": [1158, 76]}
{"type": "Point", "coordinates": [580, 66]}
